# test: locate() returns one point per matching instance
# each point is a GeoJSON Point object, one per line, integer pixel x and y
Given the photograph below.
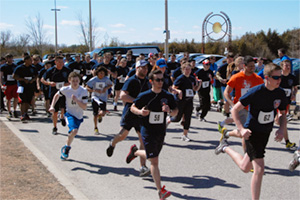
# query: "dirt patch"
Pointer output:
{"type": "Point", "coordinates": [22, 175]}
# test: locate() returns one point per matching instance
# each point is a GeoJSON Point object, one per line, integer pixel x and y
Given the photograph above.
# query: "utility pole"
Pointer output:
{"type": "Point", "coordinates": [91, 36]}
{"type": "Point", "coordinates": [166, 31]}
{"type": "Point", "coordinates": [55, 14]}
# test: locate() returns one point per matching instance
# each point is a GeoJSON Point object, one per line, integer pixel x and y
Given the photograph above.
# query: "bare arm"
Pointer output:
{"type": "Point", "coordinates": [124, 96]}
{"type": "Point", "coordinates": [235, 115]}
{"type": "Point", "coordinates": [282, 126]}
{"type": "Point", "coordinates": [144, 112]}
{"type": "Point", "coordinates": [227, 95]}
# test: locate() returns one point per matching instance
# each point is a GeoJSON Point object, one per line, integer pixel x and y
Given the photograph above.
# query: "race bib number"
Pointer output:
{"type": "Point", "coordinates": [287, 92]}
{"type": "Point", "coordinates": [100, 85]}
{"type": "Point", "coordinates": [122, 79]}
{"type": "Point", "coordinates": [72, 103]}
{"type": "Point", "coordinates": [20, 90]}
{"type": "Point", "coordinates": [77, 71]}
{"type": "Point", "coordinates": [10, 78]}
{"type": "Point", "coordinates": [189, 93]}
{"type": "Point", "coordinates": [205, 84]}
{"type": "Point", "coordinates": [156, 117]}
{"type": "Point", "coordinates": [59, 85]}
{"type": "Point", "coordinates": [265, 117]}
{"type": "Point", "coordinates": [88, 72]}
{"type": "Point", "coordinates": [28, 78]}
{"type": "Point", "coordinates": [244, 91]}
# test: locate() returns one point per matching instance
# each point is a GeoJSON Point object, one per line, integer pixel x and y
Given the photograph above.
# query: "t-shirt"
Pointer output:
{"type": "Point", "coordinates": [186, 84]}
{"type": "Point", "coordinates": [27, 73]}
{"type": "Point", "coordinates": [167, 82]}
{"type": "Point", "coordinates": [204, 76]}
{"type": "Point", "coordinates": [76, 67]}
{"type": "Point", "coordinates": [242, 83]}
{"type": "Point", "coordinates": [262, 110]}
{"type": "Point", "coordinates": [7, 74]}
{"type": "Point", "coordinates": [172, 66]}
{"type": "Point", "coordinates": [177, 72]}
{"type": "Point", "coordinates": [38, 67]}
{"type": "Point", "coordinates": [155, 122]}
{"type": "Point", "coordinates": [287, 83]}
{"type": "Point", "coordinates": [96, 83]}
{"type": "Point", "coordinates": [121, 72]}
{"type": "Point", "coordinates": [71, 106]}
{"type": "Point", "coordinates": [223, 73]}
{"type": "Point", "coordinates": [131, 72]}
{"type": "Point", "coordinates": [60, 77]}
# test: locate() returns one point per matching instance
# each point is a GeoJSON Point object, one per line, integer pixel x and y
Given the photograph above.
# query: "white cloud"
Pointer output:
{"type": "Point", "coordinates": [118, 25]}
{"type": "Point", "coordinates": [70, 23]}
{"type": "Point", "coordinates": [46, 26]}
{"type": "Point", "coordinates": [100, 29]}
{"type": "Point", "coordinates": [5, 25]}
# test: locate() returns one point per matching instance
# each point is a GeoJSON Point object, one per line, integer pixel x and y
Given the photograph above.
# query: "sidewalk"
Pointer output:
{"type": "Point", "coordinates": [23, 176]}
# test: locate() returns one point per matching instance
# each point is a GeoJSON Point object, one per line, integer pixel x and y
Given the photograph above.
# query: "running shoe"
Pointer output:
{"type": "Point", "coordinates": [295, 162]}
{"type": "Point", "coordinates": [220, 127]}
{"type": "Point", "coordinates": [220, 148]}
{"type": "Point", "coordinates": [289, 117]}
{"type": "Point", "coordinates": [115, 108]}
{"type": "Point", "coordinates": [99, 118]}
{"type": "Point", "coordinates": [27, 117]}
{"type": "Point", "coordinates": [9, 116]}
{"type": "Point", "coordinates": [131, 155]}
{"type": "Point", "coordinates": [197, 114]}
{"type": "Point", "coordinates": [163, 194]}
{"type": "Point", "coordinates": [96, 132]}
{"type": "Point", "coordinates": [23, 119]}
{"type": "Point", "coordinates": [223, 132]}
{"type": "Point", "coordinates": [63, 121]}
{"type": "Point", "coordinates": [291, 146]}
{"type": "Point", "coordinates": [65, 152]}
{"type": "Point", "coordinates": [185, 138]}
{"type": "Point", "coordinates": [144, 171]}
{"type": "Point", "coordinates": [202, 120]}
{"type": "Point", "coordinates": [110, 150]}
{"type": "Point", "coordinates": [54, 131]}
{"type": "Point", "coordinates": [16, 114]}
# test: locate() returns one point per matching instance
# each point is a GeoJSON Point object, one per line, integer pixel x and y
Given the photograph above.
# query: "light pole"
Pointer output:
{"type": "Point", "coordinates": [55, 14]}
{"type": "Point", "coordinates": [166, 30]}
{"type": "Point", "coordinates": [91, 39]}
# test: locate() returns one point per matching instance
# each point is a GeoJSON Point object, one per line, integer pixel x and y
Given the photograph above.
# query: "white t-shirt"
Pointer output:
{"type": "Point", "coordinates": [96, 83]}
{"type": "Point", "coordinates": [71, 106]}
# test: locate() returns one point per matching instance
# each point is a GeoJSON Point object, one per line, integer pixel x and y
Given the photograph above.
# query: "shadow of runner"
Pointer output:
{"type": "Point", "coordinates": [282, 172]}
{"type": "Point", "coordinates": [101, 170]}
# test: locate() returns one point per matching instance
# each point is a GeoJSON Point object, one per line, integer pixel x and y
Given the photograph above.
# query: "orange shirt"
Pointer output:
{"type": "Point", "coordinates": [242, 83]}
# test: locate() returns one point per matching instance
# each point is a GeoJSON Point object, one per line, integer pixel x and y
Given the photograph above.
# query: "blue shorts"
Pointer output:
{"type": "Point", "coordinates": [130, 120]}
{"type": "Point", "coordinates": [73, 122]}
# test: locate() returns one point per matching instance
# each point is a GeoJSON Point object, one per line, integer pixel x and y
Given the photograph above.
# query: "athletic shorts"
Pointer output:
{"type": "Point", "coordinates": [73, 122]}
{"type": "Point", "coordinates": [46, 93]}
{"type": "Point", "coordinates": [11, 91]}
{"type": "Point", "coordinates": [256, 145]}
{"type": "Point", "coordinates": [96, 105]}
{"type": "Point", "coordinates": [130, 120]}
{"type": "Point", "coordinates": [118, 86]}
{"type": "Point", "coordinates": [153, 144]}
{"type": "Point", "coordinates": [61, 103]}
{"type": "Point", "coordinates": [27, 95]}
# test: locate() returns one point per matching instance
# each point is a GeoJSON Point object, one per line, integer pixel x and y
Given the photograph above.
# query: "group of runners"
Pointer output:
{"type": "Point", "coordinates": [156, 93]}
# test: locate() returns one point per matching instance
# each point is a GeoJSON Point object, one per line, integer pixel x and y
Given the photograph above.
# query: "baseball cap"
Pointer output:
{"type": "Point", "coordinates": [205, 62]}
{"type": "Point", "coordinates": [161, 63]}
{"type": "Point", "coordinates": [150, 55]}
{"type": "Point", "coordinates": [141, 63]}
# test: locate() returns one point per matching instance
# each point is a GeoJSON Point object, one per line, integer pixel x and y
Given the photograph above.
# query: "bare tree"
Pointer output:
{"type": "Point", "coordinates": [85, 31]}
{"type": "Point", "coordinates": [5, 36]}
{"type": "Point", "coordinates": [37, 33]}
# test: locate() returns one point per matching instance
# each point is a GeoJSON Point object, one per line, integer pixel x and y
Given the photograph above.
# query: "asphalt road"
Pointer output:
{"type": "Point", "coordinates": [190, 170]}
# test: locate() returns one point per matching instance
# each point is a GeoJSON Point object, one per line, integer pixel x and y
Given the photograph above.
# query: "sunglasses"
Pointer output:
{"type": "Point", "coordinates": [276, 77]}
{"type": "Point", "coordinates": [159, 79]}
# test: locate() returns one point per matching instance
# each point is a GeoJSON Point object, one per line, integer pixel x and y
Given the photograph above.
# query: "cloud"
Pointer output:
{"type": "Point", "coordinates": [62, 7]}
{"type": "Point", "coordinates": [5, 25]}
{"type": "Point", "coordinates": [70, 23]}
{"type": "Point", "coordinates": [237, 28]}
{"type": "Point", "coordinates": [196, 27]}
{"type": "Point", "coordinates": [100, 29]}
{"type": "Point", "coordinates": [118, 25]}
{"type": "Point", "coordinates": [46, 26]}
{"type": "Point", "coordinates": [118, 32]}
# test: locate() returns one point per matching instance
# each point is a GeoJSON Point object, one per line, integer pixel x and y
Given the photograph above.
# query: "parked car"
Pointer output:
{"type": "Point", "coordinates": [192, 56]}
{"type": "Point", "coordinates": [200, 59]}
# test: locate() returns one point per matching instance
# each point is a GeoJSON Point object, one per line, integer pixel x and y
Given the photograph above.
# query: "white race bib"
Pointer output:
{"type": "Point", "coordinates": [10, 77]}
{"type": "Point", "coordinates": [77, 71]}
{"type": "Point", "coordinates": [156, 117]}
{"type": "Point", "coordinates": [265, 117]}
{"type": "Point", "coordinates": [288, 92]}
{"type": "Point", "coordinates": [122, 79]}
{"type": "Point", "coordinates": [59, 85]}
{"type": "Point", "coordinates": [100, 85]}
{"type": "Point", "coordinates": [88, 72]}
{"type": "Point", "coordinates": [205, 84]}
{"type": "Point", "coordinates": [20, 90]}
{"type": "Point", "coordinates": [72, 103]}
{"type": "Point", "coordinates": [244, 91]}
{"type": "Point", "coordinates": [28, 78]}
{"type": "Point", "coordinates": [189, 93]}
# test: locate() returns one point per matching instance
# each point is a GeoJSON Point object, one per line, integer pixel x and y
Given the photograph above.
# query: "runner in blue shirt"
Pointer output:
{"type": "Point", "coordinates": [153, 106]}
{"type": "Point", "coordinates": [259, 125]}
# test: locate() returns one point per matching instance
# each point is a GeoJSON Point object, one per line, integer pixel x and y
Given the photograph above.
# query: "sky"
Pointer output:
{"type": "Point", "coordinates": [142, 21]}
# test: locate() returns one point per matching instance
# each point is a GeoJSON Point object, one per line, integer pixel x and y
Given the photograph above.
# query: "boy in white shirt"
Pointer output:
{"type": "Point", "coordinates": [76, 102]}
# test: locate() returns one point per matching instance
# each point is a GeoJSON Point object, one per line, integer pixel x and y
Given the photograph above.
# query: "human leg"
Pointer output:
{"type": "Point", "coordinates": [257, 177]}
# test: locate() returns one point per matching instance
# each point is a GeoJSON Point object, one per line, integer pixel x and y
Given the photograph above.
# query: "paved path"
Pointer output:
{"type": "Point", "coordinates": [190, 170]}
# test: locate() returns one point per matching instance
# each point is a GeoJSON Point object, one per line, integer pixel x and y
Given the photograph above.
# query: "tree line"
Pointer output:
{"type": "Point", "coordinates": [260, 44]}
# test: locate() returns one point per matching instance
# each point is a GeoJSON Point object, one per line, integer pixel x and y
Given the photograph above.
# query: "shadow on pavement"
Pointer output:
{"type": "Point", "coordinates": [282, 172]}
